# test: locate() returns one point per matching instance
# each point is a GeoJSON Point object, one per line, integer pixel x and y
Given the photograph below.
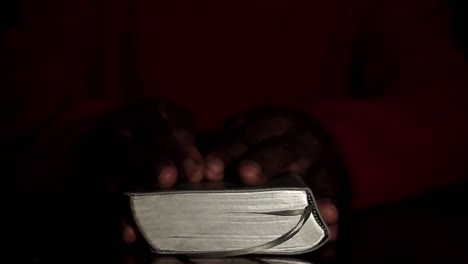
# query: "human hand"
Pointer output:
{"type": "Point", "coordinates": [143, 147]}
{"type": "Point", "coordinates": [261, 144]}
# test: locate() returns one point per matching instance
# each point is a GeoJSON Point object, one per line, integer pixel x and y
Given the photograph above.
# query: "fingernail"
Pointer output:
{"type": "Point", "coordinates": [250, 173]}
{"type": "Point", "coordinates": [167, 176]}
{"type": "Point", "coordinates": [215, 169]}
{"type": "Point", "coordinates": [193, 172]}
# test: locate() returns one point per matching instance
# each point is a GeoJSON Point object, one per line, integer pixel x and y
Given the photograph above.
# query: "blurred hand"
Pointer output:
{"type": "Point", "coordinates": [152, 145]}
{"type": "Point", "coordinates": [261, 144]}
{"type": "Point", "coordinates": [143, 147]}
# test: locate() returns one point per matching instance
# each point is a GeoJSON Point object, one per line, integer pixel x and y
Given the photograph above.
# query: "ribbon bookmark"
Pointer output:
{"type": "Point", "coordinates": [230, 253]}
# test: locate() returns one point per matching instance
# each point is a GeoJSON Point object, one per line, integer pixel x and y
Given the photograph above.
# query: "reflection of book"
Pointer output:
{"type": "Point", "coordinates": [173, 260]}
{"type": "Point", "coordinates": [220, 219]}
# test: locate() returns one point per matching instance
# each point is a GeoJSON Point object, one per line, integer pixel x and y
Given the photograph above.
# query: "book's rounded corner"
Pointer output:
{"type": "Point", "coordinates": [139, 225]}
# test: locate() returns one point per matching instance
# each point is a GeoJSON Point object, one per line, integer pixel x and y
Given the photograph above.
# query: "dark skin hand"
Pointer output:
{"type": "Point", "coordinates": [158, 142]}
{"type": "Point", "coordinates": [258, 145]}
{"type": "Point", "coordinates": [264, 143]}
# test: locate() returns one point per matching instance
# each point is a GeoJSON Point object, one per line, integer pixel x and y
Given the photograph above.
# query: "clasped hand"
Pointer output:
{"type": "Point", "coordinates": [154, 145]}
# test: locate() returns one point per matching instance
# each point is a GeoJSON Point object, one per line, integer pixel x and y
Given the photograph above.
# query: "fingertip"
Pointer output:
{"type": "Point", "coordinates": [128, 234]}
{"type": "Point", "coordinates": [250, 173]}
{"type": "Point", "coordinates": [214, 169]}
{"type": "Point", "coordinates": [198, 174]}
{"type": "Point", "coordinates": [329, 212]}
{"type": "Point", "coordinates": [333, 232]}
{"type": "Point", "coordinates": [193, 172]}
{"type": "Point", "coordinates": [167, 177]}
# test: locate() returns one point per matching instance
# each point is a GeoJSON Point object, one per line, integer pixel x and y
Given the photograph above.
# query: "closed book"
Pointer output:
{"type": "Point", "coordinates": [221, 219]}
{"type": "Point", "coordinates": [236, 260]}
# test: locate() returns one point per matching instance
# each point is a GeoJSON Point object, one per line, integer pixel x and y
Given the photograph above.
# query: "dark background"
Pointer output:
{"type": "Point", "coordinates": [429, 229]}
{"type": "Point", "coordinates": [459, 9]}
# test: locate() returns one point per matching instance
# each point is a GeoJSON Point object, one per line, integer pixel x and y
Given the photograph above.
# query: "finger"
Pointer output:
{"type": "Point", "coordinates": [300, 165]}
{"type": "Point", "coordinates": [250, 173]}
{"type": "Point", "coordinates": [181, 144]}
{"type": "Point", "coordinates": [128, 234]}
{"type": "Point", "coordinates": [270, 158]}
{"type": "Point", "coordinates": [266, 126]}
{"type": "Point", "coordinates": [328, 211]}
{"type": "Point", "coordinates": [166, 175]}
{"type": "Point", "coordinates": [247, 131]}
{"type": "Point", "coordinates": [324, 183]}
{"type": "Point", "coordinates": [333, 232]}
{"type": "Point", "coordinates": [214, 168]}
{"type": "Point", "coordinates": [223, 155]}
{"type": "Point", "coordinates": [147, 169]}
{"type": "Point", "coordinates": [192, 164]}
